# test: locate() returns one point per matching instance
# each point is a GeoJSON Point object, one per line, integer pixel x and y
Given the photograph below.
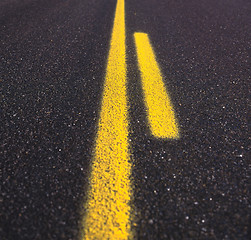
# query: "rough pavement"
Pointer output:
{"type": "Point", "coordinates": [52, 67]}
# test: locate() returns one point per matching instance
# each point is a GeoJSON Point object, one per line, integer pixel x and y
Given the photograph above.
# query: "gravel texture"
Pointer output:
{"type": "Point", "coordinates": [52, 63]}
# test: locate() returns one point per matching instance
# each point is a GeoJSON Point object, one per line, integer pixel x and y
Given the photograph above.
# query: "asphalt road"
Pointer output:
{"type": "Point", "coordinates": [53, 56]}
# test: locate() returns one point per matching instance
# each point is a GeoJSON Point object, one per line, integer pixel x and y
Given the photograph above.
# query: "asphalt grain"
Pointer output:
{"type": "Point", "coordinates": [52, 66]}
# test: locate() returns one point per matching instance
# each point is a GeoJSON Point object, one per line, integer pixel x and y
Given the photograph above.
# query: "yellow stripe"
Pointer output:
{"type": "Point", "coordinates": [108, 210]}
{"type": "Point", "coordinates": [159, 108]}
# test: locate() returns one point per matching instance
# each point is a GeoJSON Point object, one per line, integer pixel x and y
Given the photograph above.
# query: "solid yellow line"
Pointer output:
{"type": "Point", "coordinates": [160, 112]}
{"type": "Point", "coordinates": [108, 209]}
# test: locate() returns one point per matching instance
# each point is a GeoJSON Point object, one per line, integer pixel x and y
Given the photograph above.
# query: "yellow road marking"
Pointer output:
{"type": "Point", "coordinates": [108, 209]}
{"type": "Point", "coordinates": [160, 112]}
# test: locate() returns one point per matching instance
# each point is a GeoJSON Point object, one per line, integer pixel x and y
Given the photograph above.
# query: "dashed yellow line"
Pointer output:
{"type": "Point", "coordinates": [108, 209]}
{"type": "Point", "coordinates": [160, 112]}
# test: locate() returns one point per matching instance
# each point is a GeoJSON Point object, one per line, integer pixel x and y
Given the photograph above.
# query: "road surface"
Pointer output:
{"type": "Point", "coordinates": [124, 119]}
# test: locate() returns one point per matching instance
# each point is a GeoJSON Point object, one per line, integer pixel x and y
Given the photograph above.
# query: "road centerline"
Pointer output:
{"type": "Point", "coordinates": [108, 209]}
{"type": "Point", "coordinates": [160, 112]}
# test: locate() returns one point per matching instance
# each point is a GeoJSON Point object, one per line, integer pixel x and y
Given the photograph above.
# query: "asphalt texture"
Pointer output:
{"type": "Point", "coordinates": [53, 56]}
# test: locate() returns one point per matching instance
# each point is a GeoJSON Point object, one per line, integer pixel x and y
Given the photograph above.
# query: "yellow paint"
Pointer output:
{"type": "Point", "coordinates": [160, 112]}
{"type": "Point", "coordinates": [108, 209]}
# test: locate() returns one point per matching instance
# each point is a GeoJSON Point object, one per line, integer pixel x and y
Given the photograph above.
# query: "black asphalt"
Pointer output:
{"type": "Point", "coordinates": [52, 63]}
